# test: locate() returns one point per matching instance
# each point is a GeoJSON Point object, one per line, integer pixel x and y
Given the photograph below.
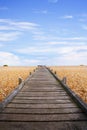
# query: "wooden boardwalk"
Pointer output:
{"type": "Point", "coordinates": [42, 104]}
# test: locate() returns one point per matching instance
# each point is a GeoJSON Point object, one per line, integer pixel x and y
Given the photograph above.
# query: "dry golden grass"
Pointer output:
{"type": "Point", "coordinates": [76, 78]}
{"type": "Point", "coordinates": [9, 78]}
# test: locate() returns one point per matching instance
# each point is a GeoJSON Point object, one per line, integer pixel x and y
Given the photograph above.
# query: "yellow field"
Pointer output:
{"type": "Point", "coordinates": [76, 78]}
{"type": "Point", "coordinates": [9, 78]}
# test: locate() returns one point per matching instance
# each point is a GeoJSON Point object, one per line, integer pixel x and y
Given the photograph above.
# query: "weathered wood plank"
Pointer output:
{"type": "Point", "coordinates": [44, 125]}
{"type": "Point", "coordinates": [45, 92]}
{"type": "Point", "coordinates": [41, 101]}
{"type": "Point", "coordinates": [45, 83]}
{"type": "Point", "coordinates": [42, 90]}
{"type": "Point", "coordinates": [42, 85]}
{"type": "Point", "coordinates": [63, 97]}
{"type": "Point", "coordinates": [42, 94]}
{"type": "Point", "coordinates": [45, 117]}
{"type": "Point", "coordinates": [70, 105]}
{"type": "Point", "coordinates": [43, 111]}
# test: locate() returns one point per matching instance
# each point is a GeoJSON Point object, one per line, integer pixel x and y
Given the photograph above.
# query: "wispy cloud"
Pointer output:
{"type": "Point", "coordinates": [17, 25]}
{"type": "Point", "coordinates": [57, 54]}
{"type": "Point", "coordinates": [67, 17]}
{"type": "Point", "coordinates": [60, 54]}
{"type": "Point", "coordinates": [10, 36]}
{"type": "Point", "coordinates": [31, 62]}
{"type": "Point", "coordinates": [52, 49]}
{"type": "Point", "coordinates": [75, 38]}
{"type": "Point", "coordinates": [12, 59]}
{"type": "Point", "coordinates": [15, 29]}
{"type": "Point", "coordinates": [68, 50]}
{"type": "Point", "coordinates": [37, 50]}
{"type": "Point", "coordinates": [57, 42]}
{"type": "Point", "coordinates": [56, 39]}
{"type": "Point", "coordinates": [67, 43]}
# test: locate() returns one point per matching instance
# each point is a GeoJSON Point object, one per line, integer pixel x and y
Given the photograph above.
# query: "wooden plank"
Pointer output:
{"type": "Point", "coordinates": [45, 92]}
{"type": "Point", "coordinates": [45, 117]}
{"type": "Point", "coordinates": [42, 90]}
{"type": "Point", "coordinates": [63, 97]}
{"type": "Point", "coordinates": [45, 83]}
{"type": "Point", "coordinates": [41, 101]}
{"type": "Point", "coordinates": [41, 87]}
{"type": "Point", "coordinates": [42, 111]}
{"type": "Point", "coordinates": [42, 94]}
{"type": "Point", "coordinates": [28, 85]}
{"type": "Point", "coordinates": [77, 125]}
{"type": "Point", "coordinates": [42, 105]}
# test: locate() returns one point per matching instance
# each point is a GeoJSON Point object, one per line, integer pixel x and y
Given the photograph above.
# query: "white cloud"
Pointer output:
{"type": "Point", "coordinates": [5, 20]}
{"type": "Point", "coordinates": [24, 25]}
{"type": "Point", "coordinates": [63, 55]}
{"type": "Point", "coordinates": [30, 62]}
{"type": "Point", "coordinates": [76, 38]}
{"type": "Point", "coordinates": [4, 28]}
{"type": "Point", "coordinates": [57, 42]}
{"type": "Point", "coordinates": [57, 39]}
{"type": "Point", "coordinates": [67, 17]}
{"type": "Point", "coordinates": [33, 50]}
{"type": "Point", "coordinates": [69, 56]}
{"type": "Point", "coordinates": [69, 38]}
{"type": "Point", "coordinates": [68, 50]}
{"type": "Point", "coordinates": [66, 42]}
{"type": "Point", "coordinates": [74, 58]}
{"type": "Point", "coordinates": [9, 59]}
{"type": "Point", "coordinates": [16, 25]}
{"type": "Point", "coordinates": [14, 60]}
{"type": "Point", "coordinates": [54, 50]}
{"type": "Point", "coordinates": [10, 36]}
{"type": "Point", "coordinates": [15, 29]}
{"type": "Point", "coordinates": [68, 60]}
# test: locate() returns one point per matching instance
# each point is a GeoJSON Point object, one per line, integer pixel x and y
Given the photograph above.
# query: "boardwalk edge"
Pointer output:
{"type": "Point", "coordinates": [8, 99]}
{"type": "Point", "coordinates": [74, 96]}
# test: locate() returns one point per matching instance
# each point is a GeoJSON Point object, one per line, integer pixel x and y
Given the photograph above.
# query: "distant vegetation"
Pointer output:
{"type": "Point", "coordinates": [81, 65]}
{"type": "Point", "coordinates": [5, 65]}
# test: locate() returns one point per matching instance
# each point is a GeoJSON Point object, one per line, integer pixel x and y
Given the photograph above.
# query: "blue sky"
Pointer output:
{"type": "Point", "coordinates": [47, 32]}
